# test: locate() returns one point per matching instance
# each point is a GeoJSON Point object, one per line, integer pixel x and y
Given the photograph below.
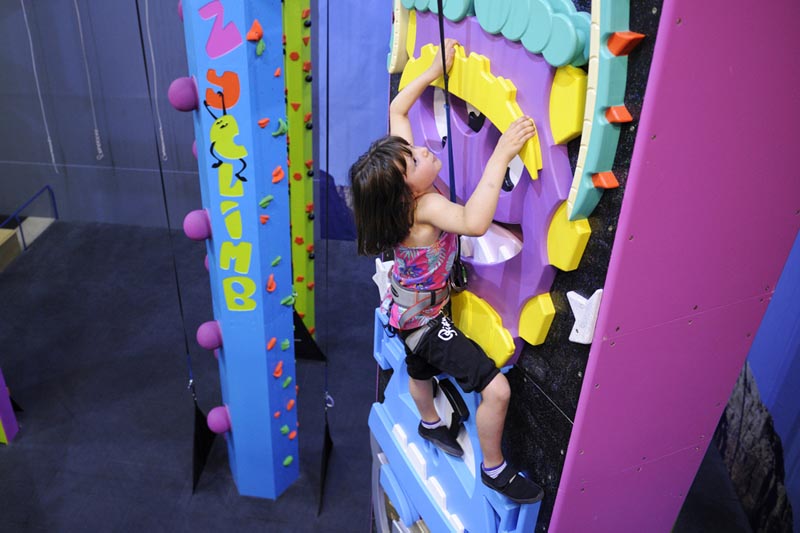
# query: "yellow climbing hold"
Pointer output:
{"type": "Point", "coordinates": [471, 80]}
{"type": "Point", "coordinates": [567, 102]}
{"type": "Point", "coordinates": [566, 240]}
{"type": "Point", "coordinates": [536, 318]}
{"type": "Point", "coordinates": [481, 323]}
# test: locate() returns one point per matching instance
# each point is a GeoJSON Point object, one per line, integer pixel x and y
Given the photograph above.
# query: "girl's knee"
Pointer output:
{"type": "Point", "coordinates": [497, 390]}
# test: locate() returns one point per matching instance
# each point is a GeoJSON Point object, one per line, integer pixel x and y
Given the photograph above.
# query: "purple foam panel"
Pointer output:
{"type": "Point", "coordinates": [529, 207]}
{"type": "Point", "coordinates": [8, 422]}
{"type": "Point", "coordinates": [708, 219]}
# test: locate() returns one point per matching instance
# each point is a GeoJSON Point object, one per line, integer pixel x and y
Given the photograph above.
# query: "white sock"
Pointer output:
{"type": "Point", "coordinates": [495, 471]}
{"type": "Point", "coordinates": [432, 425]}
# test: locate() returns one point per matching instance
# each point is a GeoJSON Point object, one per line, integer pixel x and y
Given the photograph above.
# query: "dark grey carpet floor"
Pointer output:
{"type": "Point", "coordinates": [91, 346]}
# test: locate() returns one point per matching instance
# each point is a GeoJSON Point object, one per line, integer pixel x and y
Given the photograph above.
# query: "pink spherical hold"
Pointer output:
{"type": "Point", "coordinates": [194, 148]}
{"type": "Point", "coordinates": [209, 335]}
{"type": "Point", "coordinates": [216, 354]}
{"type": "Point", "coordinates": [219, 420]}
{"type": "Point", "coordinates": [197, 225]}
{"type": "Point", "coordinates": [205, 262]}
{"type": "Point", "coordinates": [180, 9]}
{"type": "Point", "coordinates": [182, 94]}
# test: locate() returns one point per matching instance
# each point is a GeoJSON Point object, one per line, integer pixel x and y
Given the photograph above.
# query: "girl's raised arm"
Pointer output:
{"type": "Point", "coordinates": [476, 215]}
{"type": "Point", "coordinates": [398, 110]}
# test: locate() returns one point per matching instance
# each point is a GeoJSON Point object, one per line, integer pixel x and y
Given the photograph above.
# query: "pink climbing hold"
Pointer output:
{"type": "Point", "coordinates": [182, 94]}
{"type": "Point", "coordinates": [194, 148]}
{"type": "Point", "coordinates": [180, 9]}
{"type": "Point", "coordinates": [205, 262]}
{"type": "Point", "coordinates": [219, 420]}
{"type": "Point", "coordinates": [197, 225]}
{"type": "Point", "coordinates": [209, 335]}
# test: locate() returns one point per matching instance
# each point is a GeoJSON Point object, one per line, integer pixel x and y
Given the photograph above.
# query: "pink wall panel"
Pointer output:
{"type": "Point", "coordinates": [711, 209]}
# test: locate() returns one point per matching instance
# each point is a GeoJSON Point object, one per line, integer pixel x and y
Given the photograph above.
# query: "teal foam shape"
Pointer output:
{"type": "Point", "coordinates": [492, 15]}
{"type": "Point", "coordinates": [563, 43]}
{"type": "Point", "coordinates": [456, 10]}
{"type": "Point", "coordinates": [518, 19]}
{"type": "Point", "coordinates": [538, 31]}
{"type": "Point", "coordinates": [583, 25]}
{"type": "Point", "coordinates": [612, 77]}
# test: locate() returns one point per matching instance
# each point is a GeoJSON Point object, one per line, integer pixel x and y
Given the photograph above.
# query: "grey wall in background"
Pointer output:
{"type": "Point", "coordinates": [125, 185]}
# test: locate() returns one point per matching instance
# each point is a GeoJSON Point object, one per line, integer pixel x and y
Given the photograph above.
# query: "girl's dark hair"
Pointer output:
{"type": "Point", "coordinates": [382, 202]}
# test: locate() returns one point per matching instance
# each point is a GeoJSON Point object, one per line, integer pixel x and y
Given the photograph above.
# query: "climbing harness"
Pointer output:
{"type": "Point", "coordinates": [416, 301]}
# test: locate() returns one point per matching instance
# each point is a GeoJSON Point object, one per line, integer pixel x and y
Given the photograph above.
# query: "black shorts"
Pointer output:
{"type": "Point", "coordinates": [444, 348]}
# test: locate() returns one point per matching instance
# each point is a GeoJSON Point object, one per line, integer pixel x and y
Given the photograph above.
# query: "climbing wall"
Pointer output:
{"type": "Point", "coordinates": [613, 279]}
{"type": "Point", "coordinates": [298, 74]}
{"type": "Point", "coordinates": [699, 249]}
{"type": "Point", "coordinates": [236, 93]}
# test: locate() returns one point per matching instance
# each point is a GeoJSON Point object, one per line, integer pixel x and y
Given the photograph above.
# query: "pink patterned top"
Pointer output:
{"type": "Point", "coordinates": [421, 268]}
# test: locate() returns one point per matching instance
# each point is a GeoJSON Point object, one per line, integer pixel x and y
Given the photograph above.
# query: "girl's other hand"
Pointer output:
{"type": "Point", "coordinates": [517, 134]}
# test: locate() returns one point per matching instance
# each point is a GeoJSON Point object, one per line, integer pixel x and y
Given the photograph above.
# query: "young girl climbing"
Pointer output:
{"type": "Point", "coordinates": [398, 209]}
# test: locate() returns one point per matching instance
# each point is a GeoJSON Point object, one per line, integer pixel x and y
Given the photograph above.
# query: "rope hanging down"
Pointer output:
{"type": "Point", "coordinates": [458, 276]}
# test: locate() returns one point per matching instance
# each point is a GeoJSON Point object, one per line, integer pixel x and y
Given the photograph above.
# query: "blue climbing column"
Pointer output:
{"type": "Point", "coordinates": [235, 57]}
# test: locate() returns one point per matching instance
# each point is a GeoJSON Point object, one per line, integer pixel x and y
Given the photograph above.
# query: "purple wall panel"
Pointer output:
{"type": "Point", "coordinates": [711, 205]}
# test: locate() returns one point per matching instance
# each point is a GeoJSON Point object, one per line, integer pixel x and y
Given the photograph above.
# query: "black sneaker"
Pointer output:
{"type": "Point", "coordinates": [514, 486]}
{"type": "Point", "coordinates": [442, 439]}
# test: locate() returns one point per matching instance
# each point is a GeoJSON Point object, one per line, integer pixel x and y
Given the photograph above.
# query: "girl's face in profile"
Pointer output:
{"type": "Point", "coordinates": [422, 169]}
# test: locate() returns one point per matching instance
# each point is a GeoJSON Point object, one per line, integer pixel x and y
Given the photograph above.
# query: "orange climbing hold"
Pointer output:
{"type": "Point", "coordinates": [605, 180]}
{"type": "Point", "coordinates": [277, 414]}
{"type": "Point", "coordinates": [263, 122]}
{"type": "Point", "coordinates": [295, 106]}
{"type": "Point", "coordinates": [271, 285]}
{"type": "Point", "coordinates": [300, 279]}
{"type": "Point", "coordinates": [292, 434]}
{"type": "Point", "coordinates": [263, 219]}
{"type": "Point", "coordinates": [309, 164]}
{"type": "Point", "coordinates": [278, 372]}
{"type": "Point", "coordinates": [301, 315]}
{"type": "Point", "coordinates": [299, 240]}
{"type": "Point", "coordinates": [271, 343]}
{"type": "Point", "coordinates": [278, 72]}
{"type": "Point", "coordinates": [294, 56]}
{"type": "Point", "coordinates": [307, 66]}
{"type": "Point", "coordinates": [621, 43]}
{"type": "Point", "coordinates": [306, 13]}
{"type": "Point", "coordinates": [310, 286]}
{"type": "Point", "coordinates": [289, 405]}
{"type": "Point", "coordinates": [306, 39]}
{"type": "Point", "coordinates": [297, 176]}
{"type": "Point", "coordinates": [278, 174]}
{"type": "Point", "coordinates": [309, 208]}
{"type": "Point", "coordinates": [256, 32]}
{"type": "Point", "coordinates": [618, 114]}
{"type": "Point", "coordinates": [311, 330]}
{"type": "Point", "coordinates": [307, 117]}
{"type": "Point", "coordinates": [310, 248]}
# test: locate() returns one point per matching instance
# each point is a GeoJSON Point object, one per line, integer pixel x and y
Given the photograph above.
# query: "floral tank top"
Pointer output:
{"type": "Point", "coordinates": [423, 268]}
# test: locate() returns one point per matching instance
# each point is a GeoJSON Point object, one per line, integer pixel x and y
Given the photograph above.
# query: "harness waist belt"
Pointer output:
{"type": "Point", "coordinates": [409, 298]}
{"type": "Point", "coordinates": [416, 301]}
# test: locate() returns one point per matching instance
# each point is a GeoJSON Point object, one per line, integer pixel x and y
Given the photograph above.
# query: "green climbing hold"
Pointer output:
{"type": "Point", "coordinates": [285, 344]}
{"type": "Point", "coordinates": [276, 261]}
{"type": "Point", "coordinates": [284, 430]}
{"type": "Point", "coordinates": [266, 201]}
{"type": "Point", "coordinates": [288, 460]}
{"type": "Point", "coordinates": [283, 127]}
{"type": "Point", "coordinates": [260, 47]}
{"type": "Point", "coordinates": [287, 381]}
{"type": "Point", "coordinates": [289, 300]}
